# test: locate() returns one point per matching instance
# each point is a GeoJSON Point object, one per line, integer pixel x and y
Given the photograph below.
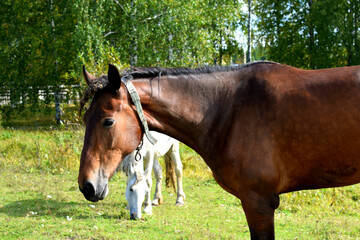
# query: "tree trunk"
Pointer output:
{"type": "Point", "coordinates": [248, 52]}
{"type": "Point", "coordinates": [311, 35]}
{"type": "Point", "coordinates": [133, 44]}
{"type": "Point", "coordinates": [171, 55]}
{"type": "Point", "coordinates": [221, 52]}
{"type": "Point", "coordinates": [58, 112]}
{"type": "Point", "coordinates": [356, 32]}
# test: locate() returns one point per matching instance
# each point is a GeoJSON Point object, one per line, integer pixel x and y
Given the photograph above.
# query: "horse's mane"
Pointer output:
{"type": "Point", "coordinates": [151, 72]}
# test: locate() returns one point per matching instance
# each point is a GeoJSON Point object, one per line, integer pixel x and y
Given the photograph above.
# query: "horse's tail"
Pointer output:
{"type": "Point", "coordinates": [170, 172]}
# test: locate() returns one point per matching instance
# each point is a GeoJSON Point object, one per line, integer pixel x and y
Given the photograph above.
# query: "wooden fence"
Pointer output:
{"type": "Point", "coordinates": [46, 94]}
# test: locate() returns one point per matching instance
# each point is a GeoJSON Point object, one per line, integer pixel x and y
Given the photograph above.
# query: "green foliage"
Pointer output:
{"type": "Point", "coordinates": [27, 116]}
{"type": "Point", "coordinates": [173, 33]}
{"type": "Point", "coordinates": [37, 44]}
{"type": "Point", "coordinates": [310, 33]}
{"type": "Point", "coordinates": [44, 45]}
{"type": "Point", "coordinates": [42, 115]}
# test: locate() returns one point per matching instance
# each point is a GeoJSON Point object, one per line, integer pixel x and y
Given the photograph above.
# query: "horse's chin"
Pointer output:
{"type": "Point", "coordinates": [104, 193]}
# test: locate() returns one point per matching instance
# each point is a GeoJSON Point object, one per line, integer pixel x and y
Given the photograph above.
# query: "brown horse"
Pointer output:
{"type": "Point", "coordinates": [263, 128]}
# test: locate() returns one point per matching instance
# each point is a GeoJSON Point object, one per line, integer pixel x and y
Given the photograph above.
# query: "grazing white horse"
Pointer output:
{"type": "Point", "coordinates": [137, 185]}
{"type": "Point", "coordinates": [139, 180]}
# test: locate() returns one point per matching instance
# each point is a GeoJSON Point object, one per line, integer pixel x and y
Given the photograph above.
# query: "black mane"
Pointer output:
{"type": "Point", "coordinates": [152, 72]}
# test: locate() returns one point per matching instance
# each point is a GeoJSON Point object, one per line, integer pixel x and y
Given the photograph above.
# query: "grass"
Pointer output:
{"type": "Point", "coordinates": [46, 149]}
{"type": "Point", "coordinates": [47, 206]}
{"type": "Point", "coordinates": [40, 200]}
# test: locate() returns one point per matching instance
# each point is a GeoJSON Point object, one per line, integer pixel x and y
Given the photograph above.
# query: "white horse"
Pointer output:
{"type": "Point", "coordinates": [139, 180]}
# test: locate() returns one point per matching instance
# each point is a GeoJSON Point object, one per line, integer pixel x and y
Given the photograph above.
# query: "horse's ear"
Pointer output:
{"type": "Point", "coordinates": [88, 77]}
{"type": "Point", "coordinates": [114, 77]}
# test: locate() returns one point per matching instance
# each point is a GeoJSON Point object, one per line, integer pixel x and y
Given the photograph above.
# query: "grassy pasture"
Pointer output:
{"type": "Point", "coordinates": [40, 200]}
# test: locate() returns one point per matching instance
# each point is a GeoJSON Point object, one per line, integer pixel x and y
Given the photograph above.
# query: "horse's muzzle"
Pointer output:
{"type": "Point", "coordinates": [93, 193]}
{"type": "Point", "coordinates": [134, 216]}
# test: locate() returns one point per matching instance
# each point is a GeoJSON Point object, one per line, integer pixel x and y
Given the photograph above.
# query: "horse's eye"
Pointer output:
{"type": "Point", "coordinates": [108, 122]}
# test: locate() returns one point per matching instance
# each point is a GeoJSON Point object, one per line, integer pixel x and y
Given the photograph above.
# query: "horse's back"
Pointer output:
{"type": "Point", "coordinates": [164, 144]}
{"type": "Point", "coordinates": [282, 79]}
{"type": "Point", "coordinates": [300, 127]}
{"type": "Point", "coordinates": [315, 127]}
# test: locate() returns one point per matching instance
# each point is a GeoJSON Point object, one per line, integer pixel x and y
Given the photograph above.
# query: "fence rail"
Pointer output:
{"type": "Point", "coordinates": [68, 94]}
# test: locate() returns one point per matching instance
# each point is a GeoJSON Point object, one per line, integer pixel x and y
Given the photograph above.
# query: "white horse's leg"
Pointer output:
{"type": "Point", "coordinates": [158, 198]}
{"type": "Point", "coordinates": [149, 162]}
{"type": "Point", "coordinates": [175, 157]}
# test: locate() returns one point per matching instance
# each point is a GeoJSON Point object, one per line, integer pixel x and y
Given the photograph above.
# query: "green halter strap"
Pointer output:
{"type": "Point", "coordinates": [136, 99]}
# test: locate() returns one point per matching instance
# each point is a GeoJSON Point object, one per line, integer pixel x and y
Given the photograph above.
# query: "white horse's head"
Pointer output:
{"type": "Point", "coordinates": [137, 185]}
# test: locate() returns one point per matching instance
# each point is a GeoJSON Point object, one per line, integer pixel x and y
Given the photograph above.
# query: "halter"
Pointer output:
{"type": "Point", "coordinates": [138, 149]}
{"type": "Point", "coordinates": [136, 99]}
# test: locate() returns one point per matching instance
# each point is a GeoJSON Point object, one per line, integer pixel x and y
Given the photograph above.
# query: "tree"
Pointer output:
{"type": "Point", "coordinates": [350, 31]}
{"type": "Point", "coordinates": [44, 44]}
{"type": "Point", "coordinates": [281, 30]}
{"type": "Point", "coordinates": [310, 33]}
{"type": "Point", "coordinates": [174, 33]}
{"type": "Point", "coordinates": [248, 52]}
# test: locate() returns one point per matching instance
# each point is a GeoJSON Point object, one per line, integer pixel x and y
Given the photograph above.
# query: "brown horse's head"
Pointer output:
{"type": "Point", "coordinates": [112, 131]}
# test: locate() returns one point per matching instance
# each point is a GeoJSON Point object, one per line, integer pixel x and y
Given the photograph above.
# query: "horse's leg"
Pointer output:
{"type": "Point", "coordinates": [158, 198]}
{"type": "Point", "coordinates": [259, 211]}
{"type": "Point", "coordinates": [175, 157]}
{"type": "Point", "coordinates": [149, 157]}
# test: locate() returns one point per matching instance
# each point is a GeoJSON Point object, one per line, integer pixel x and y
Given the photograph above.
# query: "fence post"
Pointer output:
{"type": "Point", "coordinates": [58, 112]}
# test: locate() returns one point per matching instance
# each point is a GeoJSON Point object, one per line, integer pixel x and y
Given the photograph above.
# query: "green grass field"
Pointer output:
{"type": "Point", "coordinates": [40, 200]}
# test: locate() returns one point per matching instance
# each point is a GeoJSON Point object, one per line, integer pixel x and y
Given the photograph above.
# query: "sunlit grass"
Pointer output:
{"type": "Point", "coordinates": [59, 149]}
{"type": "Point", "coordinates": [40, 200]}
{"type": "Point", "coordinates": [48, 206]}
{"type": "Point", "coordinates": [53, 150]}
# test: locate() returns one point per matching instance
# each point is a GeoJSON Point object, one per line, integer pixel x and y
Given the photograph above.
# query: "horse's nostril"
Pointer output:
{"type": "Point", "coordinates": [88, 190]}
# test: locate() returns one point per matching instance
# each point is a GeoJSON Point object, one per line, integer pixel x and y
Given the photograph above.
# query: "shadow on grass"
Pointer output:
{"type": "Point", "coordinates": [61, 209]}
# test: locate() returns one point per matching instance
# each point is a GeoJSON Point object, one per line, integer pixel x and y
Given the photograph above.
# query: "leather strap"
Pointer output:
{"type": "Point", "coordinates": [136, 100]}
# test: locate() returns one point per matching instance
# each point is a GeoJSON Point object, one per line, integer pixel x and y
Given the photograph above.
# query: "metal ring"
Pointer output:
{"type": "Point", "coordinates": [138, 156]}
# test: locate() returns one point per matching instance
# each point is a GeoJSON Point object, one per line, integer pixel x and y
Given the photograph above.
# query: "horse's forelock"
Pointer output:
{"type": "Point", "coordinates": [94, 86]}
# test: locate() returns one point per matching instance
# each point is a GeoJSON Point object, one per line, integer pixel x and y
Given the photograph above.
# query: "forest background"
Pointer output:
{"type": "Point", "coordinates": [43, 44]}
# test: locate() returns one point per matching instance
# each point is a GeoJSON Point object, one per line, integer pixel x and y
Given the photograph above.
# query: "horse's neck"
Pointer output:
{"type": "Point", "coordinates": [176, 106]}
